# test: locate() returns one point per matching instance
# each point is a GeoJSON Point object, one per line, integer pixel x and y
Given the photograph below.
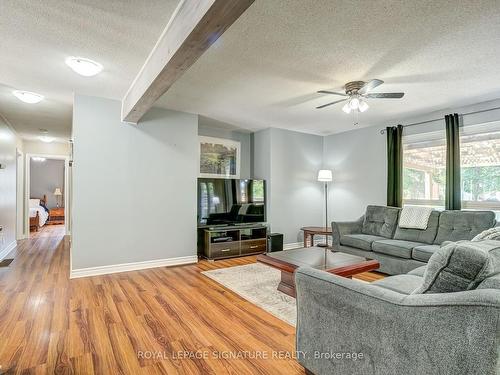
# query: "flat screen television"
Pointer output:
{"type": "Point", "coordinates": [231, 201]}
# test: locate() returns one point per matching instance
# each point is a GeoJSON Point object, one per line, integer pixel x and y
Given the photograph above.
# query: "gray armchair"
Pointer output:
{"type": "Point", "coordinates": [348, 327]}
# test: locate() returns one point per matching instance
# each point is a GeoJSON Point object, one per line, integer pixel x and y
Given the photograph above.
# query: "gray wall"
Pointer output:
{"type": "Point", "coordinates": [44, 178]}
{"type": "Point", "coordinates": [134, 187]}
{"type": "Point", "coordinates": [261, 165]}
{"type": "Point", "coordinates": [358, 160]}
{"type": "Point", "coordinates": [7, 189]}
{"type": "Point", "coordinates": [213, 128]}
{"type": "Point", "coordinates": [290, 161]}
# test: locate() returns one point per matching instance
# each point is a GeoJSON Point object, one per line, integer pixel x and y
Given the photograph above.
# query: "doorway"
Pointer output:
{"type": "Point", "coordinates": [46, 195]}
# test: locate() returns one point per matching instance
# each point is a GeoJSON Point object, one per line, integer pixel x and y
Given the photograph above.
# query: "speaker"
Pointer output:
{"type": "Point", "coordinates": [274, 242]}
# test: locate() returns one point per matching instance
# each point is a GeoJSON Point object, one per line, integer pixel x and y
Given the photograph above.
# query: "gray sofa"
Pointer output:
{"type": "Point", "coordinates": [404, 324]}
{"type": "Point", "coordinates": [377, 235]}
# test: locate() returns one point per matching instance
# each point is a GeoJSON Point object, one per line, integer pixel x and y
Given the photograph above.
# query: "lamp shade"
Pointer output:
{"type": "Point", "coordinates": [325, 175]}
{"type": "Point", "coordinates": [57, 191]}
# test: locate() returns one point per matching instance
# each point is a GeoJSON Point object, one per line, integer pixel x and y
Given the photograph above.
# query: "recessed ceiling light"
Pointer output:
{"type": "Point", "coordinates": [5, 135]}
{"type": "Point", "coordinates": [83, 66]}
{"type": "Point", "coordinates": [28, 97]}
{"type": "Point", "coordinates": [46, 139]}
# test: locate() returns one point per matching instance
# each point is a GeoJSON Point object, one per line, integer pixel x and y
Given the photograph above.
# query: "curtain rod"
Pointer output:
{"type": "Point", "coordinates": [441, 118]}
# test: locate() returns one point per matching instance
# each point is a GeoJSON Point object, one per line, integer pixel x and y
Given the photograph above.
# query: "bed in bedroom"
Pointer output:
{"type": "Point", "coordinates": [39, 214]}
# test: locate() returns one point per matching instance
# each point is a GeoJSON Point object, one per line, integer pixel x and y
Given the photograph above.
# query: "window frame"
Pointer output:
{"type": "Point", "coordinates": [471, 130]}
{"type": "Point", "coordinates": [426, 137]}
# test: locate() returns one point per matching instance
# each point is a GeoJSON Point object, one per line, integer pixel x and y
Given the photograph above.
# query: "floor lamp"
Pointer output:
{"type": "Point", "coordinates": [326, 176]}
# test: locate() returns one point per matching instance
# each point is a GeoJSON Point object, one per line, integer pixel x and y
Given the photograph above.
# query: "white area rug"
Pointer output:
{"type": "Point", "coordinates": [257, 283]}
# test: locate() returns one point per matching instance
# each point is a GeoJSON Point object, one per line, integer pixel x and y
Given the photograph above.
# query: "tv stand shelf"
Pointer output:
{"type": "Point", "coordinates": [234, 241]}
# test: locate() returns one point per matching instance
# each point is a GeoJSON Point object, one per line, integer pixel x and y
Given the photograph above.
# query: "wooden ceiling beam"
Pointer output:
{"type": "Point", "coordinates": [192, 29]}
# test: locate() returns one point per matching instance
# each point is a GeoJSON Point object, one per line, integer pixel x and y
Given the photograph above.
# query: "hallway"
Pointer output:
{"type": "Point", "coordinates": [49, 231]}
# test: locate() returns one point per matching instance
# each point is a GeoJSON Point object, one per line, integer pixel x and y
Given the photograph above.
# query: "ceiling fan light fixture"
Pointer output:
{"type": "Point", "coordinates": [347, 108]}
{"type": "Point", "coordinates": [363, 106]}
{"type": "Point", "coordinates": [354, 103]}
{"type": "Point", "coordinates": [355, 94]}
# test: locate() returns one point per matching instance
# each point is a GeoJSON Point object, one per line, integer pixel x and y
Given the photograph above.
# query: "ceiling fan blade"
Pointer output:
{"type": "Point", "coordinates": [331, 92]}
{"type": "Point", "coordinates": [385, 95]}
{"type": "Point", "coordinates": [328, 104]}
{"type": "Point", "coordinates": [370, 85]}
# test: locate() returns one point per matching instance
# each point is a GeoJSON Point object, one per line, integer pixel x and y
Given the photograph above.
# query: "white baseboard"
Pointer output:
{"type": "Point", "coordinates": [297, 245]}
{"type": "Point", "coordinates": [293, 245]}
{"type": "Point", "coordinates": [7, 250]}
{"type": "Point", "coordinates": [124, 267]}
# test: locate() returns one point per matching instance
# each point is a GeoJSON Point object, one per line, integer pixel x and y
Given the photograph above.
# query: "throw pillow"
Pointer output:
{"type": "Point", "coordinates": [488, 234]}
{"type": "Point", "coordinates": [460, 266]}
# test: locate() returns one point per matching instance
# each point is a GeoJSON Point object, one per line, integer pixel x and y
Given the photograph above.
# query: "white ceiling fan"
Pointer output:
{"type": "Point", "coordinates": [355, 94]}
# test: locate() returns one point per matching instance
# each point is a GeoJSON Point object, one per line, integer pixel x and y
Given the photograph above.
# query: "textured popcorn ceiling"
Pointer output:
{"type": "Point", "coordinates": [37, 36]}
{"type": "Point", "coordinates": [264, 71]}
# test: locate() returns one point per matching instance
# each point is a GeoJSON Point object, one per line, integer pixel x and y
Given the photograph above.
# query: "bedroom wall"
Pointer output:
{"type": "Point", "coordinates": [8, 144]}
{"type": "Point", "coordinates": [212, 128]}
{"type": "Point", "coordinates": [134, 188]}
{"type": "Point", "coordinates": [45, 177]}
{"type": "Point", "coordinates": [290, 161]}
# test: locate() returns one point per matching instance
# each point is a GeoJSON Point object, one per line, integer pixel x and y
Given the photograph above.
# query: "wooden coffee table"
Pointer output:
{"type": "Point", "coordinates": [288, 261]}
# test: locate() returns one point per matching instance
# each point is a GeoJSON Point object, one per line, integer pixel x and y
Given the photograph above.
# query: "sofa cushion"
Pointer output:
{"type": "Point", "coordinates": [492, 282]}
{"type": "Point", "coordinates": [380, 221]}
{"type": "Point", "coordinates": [361, 241]}
{"type": "Point", "coordinates": [444, 243]}
{"type": "Point", "coordinates": [404, 284]}
{"type": "Point", "coordinates": [420, 235]}
{"type": "Point", "coordinates": [463, 225]}
{"type": "Point", "coordinates": [460, 266]}
{"type": "Point", "coordinates": [424, 252]}
{"type": "Point", "coordinates": [418, 271]}
{"type": "Point", "coordinates": [397, 248]}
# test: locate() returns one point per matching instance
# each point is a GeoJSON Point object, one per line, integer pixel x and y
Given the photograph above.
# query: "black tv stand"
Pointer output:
{"type": "Point", "coordinates": [220, 242]}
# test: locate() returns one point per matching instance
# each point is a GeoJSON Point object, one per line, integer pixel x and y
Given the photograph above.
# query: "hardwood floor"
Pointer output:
{"type": "Point", "coordinates": [48, 231]}
{"type": "Point", "coordinates": [138, 322]}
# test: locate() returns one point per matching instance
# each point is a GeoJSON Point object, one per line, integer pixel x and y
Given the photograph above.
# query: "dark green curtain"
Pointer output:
{"type": "Point", "coordinates": [394, 165]}
{"type": "Point", "coordinates": [453, 188]}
